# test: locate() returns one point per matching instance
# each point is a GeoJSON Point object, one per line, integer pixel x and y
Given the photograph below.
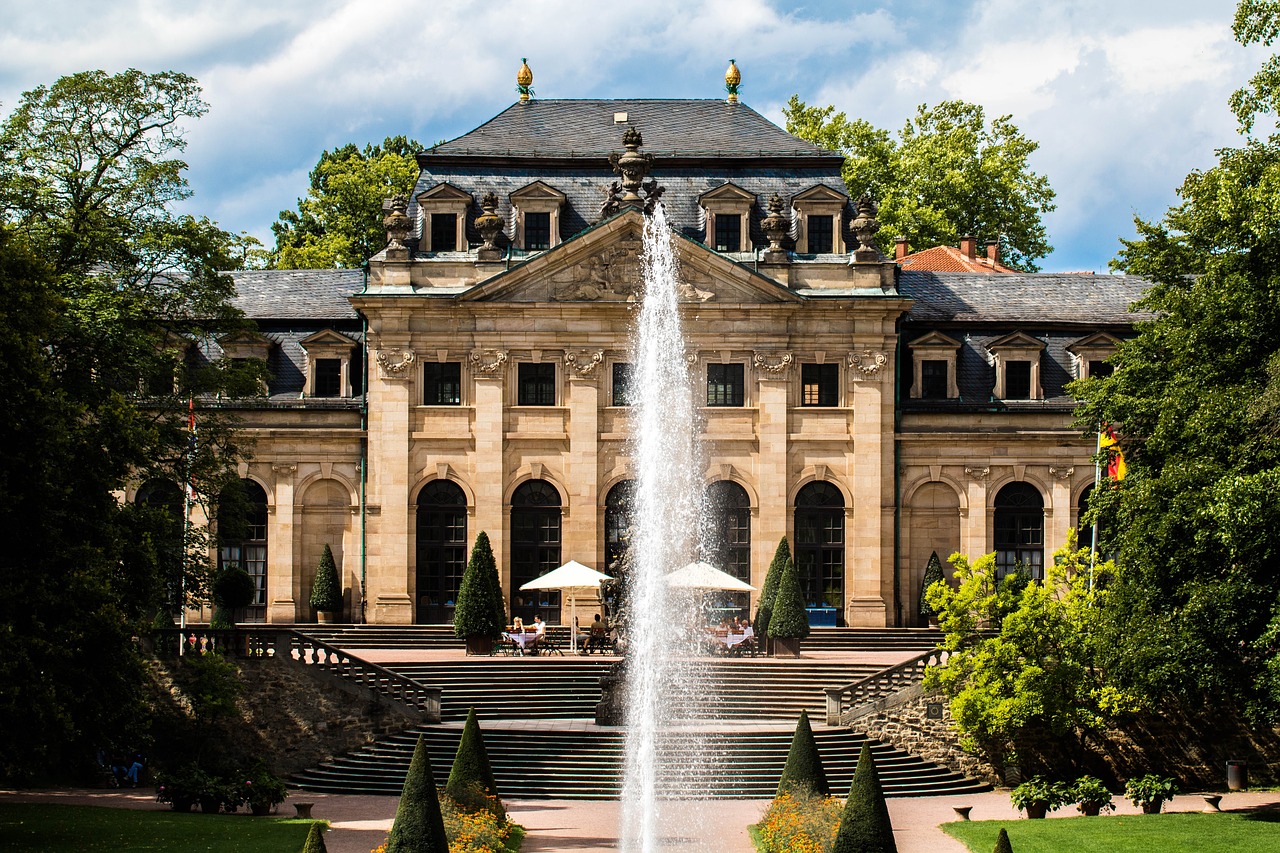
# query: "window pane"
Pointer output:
{"type": "Point", "coordinates": [728, 232]}
{"type": "Point", "coordinates": [1017, 380]}
{"type": "Point", "coordinates": [328, 379]}
{"type": "Point", "coordinates": [819, 384]}
{"type": "Point", "coordinates": [537, 231]}
{"type": "Point", "coordinates": [1100, 369]}
{"type": "Point", "coordinates": [821, 236]}
{"type": "Point", "coordinates": [444, 232]}
{"type": "Point", "coordinates": [725, 384]}
{"type": "Point", "coordinates": [622, 391]}
{"type": "Point", "coordinates": [933, 379]}
{"type": "Point", "coordinates": [537, 384]}
{"type": "Point", "coordinates": [442, 384]}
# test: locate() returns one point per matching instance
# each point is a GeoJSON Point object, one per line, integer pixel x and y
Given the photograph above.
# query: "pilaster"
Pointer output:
{"type": "Point", "coordinates": [774, 371]}
{"type": "Point", "coordinates": [869, 524]}
{"type": "Point", "coordinates": [582, 371]}
{"type": "Point", "coordinates": [281, 605]}
{"type": "Point", "coordinates": [389, 432]}
{"type": "Point", "coordinates": [974, 526]}
{"type": "Point", "coordinates": [488, 369]}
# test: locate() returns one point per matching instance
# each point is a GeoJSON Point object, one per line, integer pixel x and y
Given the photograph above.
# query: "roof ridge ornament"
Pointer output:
{"type": "Point", "coordinates": [633, 167]}
{"type": "Point", "coordinates": [398, 225]}
{"type": "Point", "coordinates": [864, 228]}
{"type": "Point", "coordinates": [732, 80]}
{"type": "Point", "coordinates": [524, 81]}
{"type": "Point", "coordinates": [775, 227]}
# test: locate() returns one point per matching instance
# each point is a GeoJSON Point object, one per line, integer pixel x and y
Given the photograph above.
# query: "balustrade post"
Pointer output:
{"type": "Point", "coordinates": [833, 705]}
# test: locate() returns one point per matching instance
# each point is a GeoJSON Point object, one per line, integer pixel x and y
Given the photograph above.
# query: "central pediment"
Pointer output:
{"type": "Point", "coordinates": [602, 264]}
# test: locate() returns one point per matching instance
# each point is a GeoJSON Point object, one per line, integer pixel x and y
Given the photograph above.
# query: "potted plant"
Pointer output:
{"type": "Point", "coordinates": [1038, 796]}
{"type": "Point", "coordinates": [262, 790]}
{"type": "Point", "coordinates": [1149, 792]}
{"type": "Point", "coordinates": [479, 616]}
{"type": "Point", "coordinates": [232, 590]}
{"type": "Point", "coordinates": [181, 788]}
{"type": "Point", "coordinates": [1091, 796]}
{"type": "Point", "coordinates": [788, 624]}
{"type": "Point", "coordinates": [326, 589]}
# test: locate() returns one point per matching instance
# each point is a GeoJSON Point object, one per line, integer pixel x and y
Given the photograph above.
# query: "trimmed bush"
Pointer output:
{"type": "Point", "coordinates": [803, 769]}
{"type": "Point", "coordinates": [232, 589]}
{"type": "Point", "coordinates": [315, 840]}
{"type": "Point", "coordinates": [419, 826]}
{"type": "Point", "coordinates": [789, 619]}
{"type": "Point", "coordinates": [1002, 842]}
{"type": "Point", "coordinates": [479, 611]}
{"type": "Point", "coordinates": [471, 764]}
{"type": "Point", "coordinates": [769, 592]}
{"type": "Point", "coordinates": [326, 589]}
{"type": "Point", "coordinates": [932, 574]}
{"type": "Point", "coordinates": [864, 824]}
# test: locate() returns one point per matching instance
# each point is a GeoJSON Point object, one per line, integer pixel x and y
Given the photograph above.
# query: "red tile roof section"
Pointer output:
{"type": "Point", "coordinates": [950, 259]}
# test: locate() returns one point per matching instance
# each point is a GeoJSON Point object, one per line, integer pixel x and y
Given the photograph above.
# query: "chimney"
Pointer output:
{"type": "Point", "coordinates": [969, 245]}
{"type": "Point", "coordinates": [993, 251]}
{"type": "Point", "coordinates": [899, 248]}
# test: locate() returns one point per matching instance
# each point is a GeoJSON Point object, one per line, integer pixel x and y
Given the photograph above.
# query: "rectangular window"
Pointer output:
{"type": "Point", "coordinates": [444, 232]}
{"type": "Point", "coordinates": [328, 378]}
{"type": "Point", "coordinates": [536, 384]}
{"type": "Point", "coordinates": [1099, 369]}
{"type": "Point", "coordinates": [725, 384]}
{"type": "Point", "coordinates": [623, 394]}
{"type": "Point", "coordinates": [728, 232]}
{"type": "Point", "coordinates": [442, 384]}
{"type": "Point", "coordinates": [355, 372]}
{"type": "Point", "coordinates": [933, 379]}
{"type": "Point", "coordinates": [819, 384]}
{"type": "Point", "coordinates": [1017, 380]}
{"type": "Point", "coordinates": [537, 231]}
{"type": "Point", "coordinates": [821, 235]}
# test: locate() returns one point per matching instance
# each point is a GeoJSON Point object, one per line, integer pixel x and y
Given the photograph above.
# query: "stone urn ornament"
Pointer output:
{"type": "Point", "coordinates": [489, 224]}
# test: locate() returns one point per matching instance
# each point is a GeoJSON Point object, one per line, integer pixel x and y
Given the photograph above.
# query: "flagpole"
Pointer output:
{"type": "Point", "coordinates": [186, 523]}
{"type": "Point", "coordinates": [1097, 480]}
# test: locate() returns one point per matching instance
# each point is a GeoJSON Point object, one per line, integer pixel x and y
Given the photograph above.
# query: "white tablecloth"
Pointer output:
{"type": "Point", "coordinates": [524, 641]}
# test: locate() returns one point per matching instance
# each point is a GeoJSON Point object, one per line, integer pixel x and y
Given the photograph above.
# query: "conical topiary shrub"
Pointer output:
{"type": "Point", "coordinates": [932, 574]}
{"type": "Point", "coordinates": [477, 617]}
{"type": "Point", "coordinates": [326, 589]}
{"type": "Point", "coordinates": [471, 769]}
{"type": "Point", "coordinates": [864, 823]}
{"type": "Point", "coordinates": [769, 592]}
{"type": "Point", "coordinates": [789, 623]}
{"type": "Point", "coordinates": [419, 826]}
{"type": "Point", "coordinates": [804, 766]}
{"type": "Point", "coordinates": [315, 840]}
{"type": "Point", "coordinates": [1002, 842]}
{"type": "Point", "coordinates": [233, 589]}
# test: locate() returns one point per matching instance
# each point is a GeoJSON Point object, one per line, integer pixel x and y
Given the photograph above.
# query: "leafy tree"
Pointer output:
{"type": "Point", "coordinates": [804, 765]}
{"type": "Point", "coordinates": [326, 590]}
{"type": "Point", "coordinates": [418, 826]}
{"type": "Point", "coordinates": [948, 174]}
{"type": "Point", "coordinates": [789, 619]}
{"type": "Point", "coordinates": [339, 223]}
{"type": "Point", "coordinates": [864, 823]}
{"type": "Point", "coordinates": [769, 593]}
{"type": "Point", "coordinates": [1194, 526]}
{"type": "Point", "coordinates": [932, 574]}
{"type": "Point", "coordinates": [479, 611]}
{"type": "Point", "coordinates": [471, 770]}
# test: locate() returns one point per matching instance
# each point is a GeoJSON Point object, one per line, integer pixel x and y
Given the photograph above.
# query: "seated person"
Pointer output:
{"type": "Point", "coordinates": [540, 632]}
{"type": "Point", "coordinates": [517, 625]}
{"type": "Point", "coordinates": [599, 637]}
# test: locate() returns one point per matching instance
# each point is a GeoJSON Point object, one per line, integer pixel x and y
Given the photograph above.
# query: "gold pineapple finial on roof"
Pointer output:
{"type": "Point", "coordinates": [524, 81]}
{"type": "Point", "coordinates": [732, 78]}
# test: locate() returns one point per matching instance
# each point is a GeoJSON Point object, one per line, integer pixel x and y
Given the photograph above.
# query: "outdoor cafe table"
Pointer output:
{"type": "Point", "coordinates": [523, 641]}
{"type": "Point", "coordinates": [730, 640]}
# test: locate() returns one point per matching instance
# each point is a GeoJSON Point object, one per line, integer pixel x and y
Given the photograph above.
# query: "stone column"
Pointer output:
{"type": "Point", "coordinates": [488, 368]}
{"type": "Point", "coordinates": [389, 431]}
{"type": "Point", "coordinates": [281, 571]}
{"type": "Point", "coordinates": [774, 372]}
{"type": "Point", "coordinates": [1057, 516]}
{"type": "Point", "coordinates": [869, 529]}
{"type": "Point", "coordinates": [580, 527]}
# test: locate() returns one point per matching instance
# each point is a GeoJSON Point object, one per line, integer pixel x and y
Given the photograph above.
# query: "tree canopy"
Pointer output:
{"type": "Point", "coordinates": [339, 223]}
{"type": "Point", "coordinates": [1195, 398]}
{"type": "Point", "coordinates": [949, 173]}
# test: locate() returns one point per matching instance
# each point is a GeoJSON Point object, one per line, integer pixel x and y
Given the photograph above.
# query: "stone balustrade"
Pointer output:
{"type": "Point", "coordinates": [843, 703]}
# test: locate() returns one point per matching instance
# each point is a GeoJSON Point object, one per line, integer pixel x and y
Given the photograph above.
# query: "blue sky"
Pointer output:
{"type": "Point", "coordinates": [1125, 98]}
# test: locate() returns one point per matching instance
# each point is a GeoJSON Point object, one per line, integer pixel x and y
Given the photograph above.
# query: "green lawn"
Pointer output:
{"type": "Point", "coordinates": [48, 828]}
{"type": "Point", "coordinates": [1166, 833]}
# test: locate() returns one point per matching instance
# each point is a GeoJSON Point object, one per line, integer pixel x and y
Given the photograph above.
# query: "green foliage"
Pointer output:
{"type": "Point", "coordinates": [789, 619]}
{"type": "Point", "coordinates": [1039, 672]}
{"type": "Point", "coordinates": [798, 819]}
{"type": "Point", "coordinates": [260, 787]}
{"type": "Point", "coordinates": [769, 593]}
{"type": "Point", "coordinates": [418, 826]}
{"type": "Point", "coordinates": [183, 786]}
{"type": "Point", "coordinates": [932, 574]}
{"type": "Point", "coordinates": [1149, 790]}
{"type": "Point", "coordinates": [339, 223]}
{"type": "Point", "coordinates": [479, 611]}
{"type": "Point", "coordinates": [1038, 791]}
{"type": "Point", "coordinates": [803, 769]}
{"type": "Point", "coordinates": [948, 174]}
{"type": "Point", "coordinates": [471, 765]}
{"type": "Point", "coordinates": [1195, 528]}
{"type": "Point", "coordinates": [326, 590]}
{"type": "Point", "coordinates": [864, 823]}
{"type": "Point", "coordinates": [232, 590]}
{"type": "Point", "coordinates": [1002, 842]}
{"type": "Point", "coordinates": [1089, 791]}
{"type": "Point", "coordinates": [315, 839]}
{"type": "Point", "coordinates": [213, 687]}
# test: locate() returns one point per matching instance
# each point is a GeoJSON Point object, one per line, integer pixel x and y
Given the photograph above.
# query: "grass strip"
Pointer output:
{"type": "Point", "coordinates": [1239, 832]}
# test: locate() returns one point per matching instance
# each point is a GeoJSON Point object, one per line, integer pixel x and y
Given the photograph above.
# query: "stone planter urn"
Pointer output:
{"type": "Point", "coordinates": [326, 617]}
{"type": "Point", "coordinates": [1037, 811]}
{"type": "Point", "coordinates": [260, 809]}
{"type": "Point", "coordinates": [1152, 807]}
{"type": "Point", "coordinates": [479, 645]}
{"type": "Point", "coordinates": [1090, 809]}
{"type": "Point", "coordinates": [785, 647]}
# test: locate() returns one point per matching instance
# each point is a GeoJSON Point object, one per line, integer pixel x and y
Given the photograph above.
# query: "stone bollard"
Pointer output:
{"type": "Point", "coordinates": [962, 812]}
{"type": "Point", "coordinates": [303, 810]}
{"type": "Point", "coordinates": [1211, 803]}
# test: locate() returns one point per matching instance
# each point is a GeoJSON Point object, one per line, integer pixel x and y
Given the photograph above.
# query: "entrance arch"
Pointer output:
{"type": "Point", "coordinates": [535, 549]}
{"type": "Point", "coordinates": [1019, 529]}
{"type": "Point", "coordinates": [441, 550]}
{"type": "Point", "coordinates": [819, 546]}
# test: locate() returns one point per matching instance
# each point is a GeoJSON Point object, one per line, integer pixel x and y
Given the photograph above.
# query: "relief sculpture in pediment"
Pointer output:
{"type": "Point", "coordinates": [610, 276]}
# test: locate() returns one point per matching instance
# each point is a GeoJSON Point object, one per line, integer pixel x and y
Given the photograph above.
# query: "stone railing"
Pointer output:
{"type": "Point", "coordinates": [843, 702]}
{"type": "Point", "coordinates": [289, 645]}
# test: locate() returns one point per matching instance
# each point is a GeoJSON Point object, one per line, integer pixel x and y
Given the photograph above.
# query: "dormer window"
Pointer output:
{"type": "Point", "coordinates": [933, 375]}
{"type": "Point", "coordinates": [1090, 355]}
{"type": "Point", "coordinates": [329, 364]}
{"type": "Point", "coordinates": [242, 347]}
{"type": "Point", "coordinates": [727, 209]}
{"type": "Point", "coordinates": [536, 216]}
{"type": "Point", "coordinates": [444, 218]}
{"type": "Point", "coordinates": [819, 220]}
{"type": "Point", "coordinates": [1017, 363]}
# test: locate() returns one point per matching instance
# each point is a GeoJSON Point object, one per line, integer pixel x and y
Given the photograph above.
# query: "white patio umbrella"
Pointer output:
{"type": "Point", "coordinates": [572, 578]}
{"type": "Point", "coordinates": [706, 576]}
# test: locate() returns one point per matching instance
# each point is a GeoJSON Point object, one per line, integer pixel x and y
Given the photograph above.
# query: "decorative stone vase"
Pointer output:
{"type": "Point", "coordinates": [1152, 807]}
{"type": "Point", "coordinates": [479, 645]}
{"type": "Point", "coordinates": [260, 809]}
{"type": "Point", "coordinates": [785, 647]}
{"type": "Point", "coordinates": [1037, 811]}
{"type": "Point", "coordinates": [1090, 809]}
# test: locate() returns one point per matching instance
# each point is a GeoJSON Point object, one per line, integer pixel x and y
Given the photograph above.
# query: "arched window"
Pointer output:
{"type": "Point", "coordinates": [242, 538]}
{"type": "Point", "coordinates": [727, 539]}
{"type": "Point", "coordinates": [819, 545]}
{"type": "Point", "coordinates": [1019, 530]}
{"type": "Point", "coordinates": [161, 505]}
{"type": "Point", "coordinates": [442, 549]}
{"type": "Point", "coordinates": [618, 506]}
{"type": "Point", "coordinates": [535, 549]}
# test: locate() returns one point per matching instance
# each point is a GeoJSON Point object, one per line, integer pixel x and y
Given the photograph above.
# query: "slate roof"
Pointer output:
{"type": "Point", "coordinates": [297, 294]}
{"type": "Point", "coordinates": [586, 129]}
{"type": "Point", "coordinates": [1051, 299]}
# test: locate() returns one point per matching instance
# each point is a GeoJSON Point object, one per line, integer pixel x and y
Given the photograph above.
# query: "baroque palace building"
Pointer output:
{"type": "Point", "coordinates": [475, 377]}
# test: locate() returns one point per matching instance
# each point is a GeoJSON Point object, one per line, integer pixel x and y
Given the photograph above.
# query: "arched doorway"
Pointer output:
{"type": "Point", "coordinates": [727, 542]}
{"type": "Point", "coordinates": [441, 551]}
{"type": "Point", "coordinates": [617, 523]}
{"type": "Point", "coordinates": [535, 549]}
{"type": "Point", "coordinates": [1019, 530]}
{"type": "Point", "coordinates": [819, 546]}
{"type": "Point", "coordinates": [242, 539]}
